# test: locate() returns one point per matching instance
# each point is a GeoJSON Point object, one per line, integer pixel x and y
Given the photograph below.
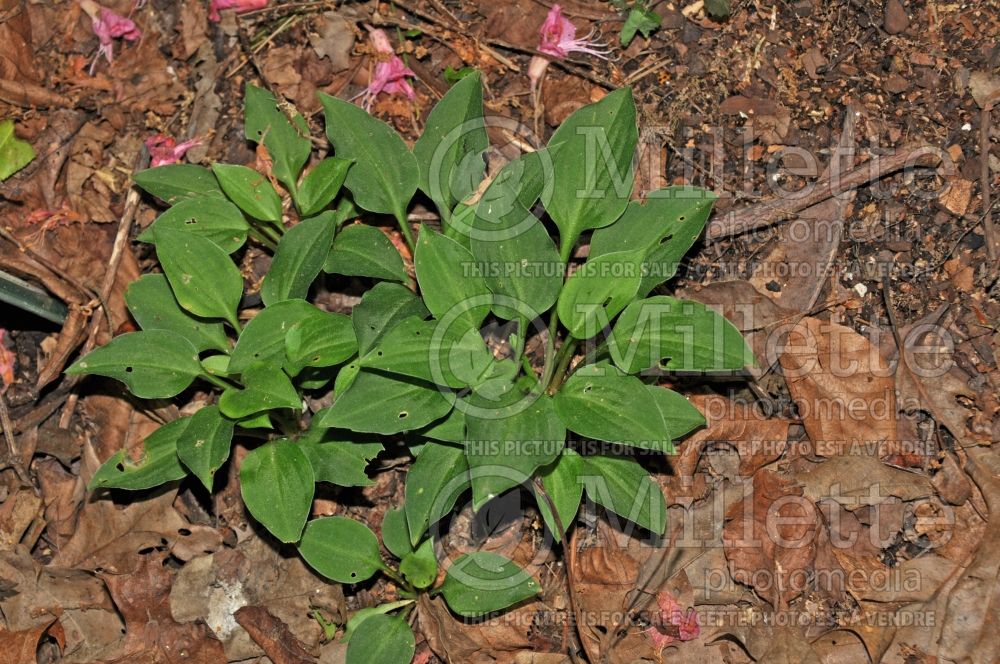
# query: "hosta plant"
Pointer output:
{"type": "Point", "coordinates": [500, 368]}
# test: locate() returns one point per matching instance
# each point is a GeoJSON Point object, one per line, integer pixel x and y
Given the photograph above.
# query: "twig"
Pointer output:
{"type": "Point", "coordinates": [782, 209]}
{"type": "Point", "coordinates": [569, 549]}
{"type": "Point", "coordinates": [121, 239]}
{"type": "Point", "coordinates": [992, 239]}
{"type": "Point", "coordinates": [13, 454]}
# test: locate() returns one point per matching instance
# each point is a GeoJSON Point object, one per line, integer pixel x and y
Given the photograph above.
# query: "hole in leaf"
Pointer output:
{"type": "Point", "coordinates": [128, 369]}
{"type": "Point", "coordinates": [607, 301]}
{"type": "Point", "coordinates": [681, 218]}
{"type": "Point", "coordinates": [379, 353]}
{"type": "Point", "coordinates": [183, 532]}
{"type": "Point", "coordinates": [190, 222]}
{"type": "Point", "coordinates": [667, 239]}
{"type": "Point", "coordinates": [403, 414]}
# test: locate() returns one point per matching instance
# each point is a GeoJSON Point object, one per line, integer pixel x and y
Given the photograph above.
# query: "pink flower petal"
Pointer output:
{"type": "Point", "coordinates": [558, 37]}
{"type": "Point", "coordinates": [239, 6]}
{"type": "Point", "coordinates": [671, 613]}
{"type": "Point", "coordinates": [108, 26]}
{"type": "Point", "coordinates": [390, 72]}
{"type": "Point", "coordinates": [164, 150]}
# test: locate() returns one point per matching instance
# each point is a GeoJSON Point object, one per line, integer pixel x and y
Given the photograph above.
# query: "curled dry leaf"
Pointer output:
{"type": "Point", "coordinates": [770, 538]}
{"type": "Point", "coordinates": [758, 440]}
{"type": "Point", "coordinates": [19, 647]}
{"type": "Point", "coordinates": [86, 613]}
{"type": "Point", "coordinates": [859, 481]}
{"type": "Point", "coordinates": [212, 588]}
{"type": "Point", "coordinates": [844, 391]}
{"type": "Point", "coordinates": [152, 634]}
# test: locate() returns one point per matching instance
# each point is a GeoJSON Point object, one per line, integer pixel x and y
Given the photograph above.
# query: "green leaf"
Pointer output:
{"type": "Point", "coordinates": [263, 339]}
{"type": "Point", "coordinates": [380, 404]}
{"type": "Point", "coordinates": [452, 356]}
{"type": "Point", "coordinates": [364, 614]}
{"type": "Point", "coordinates": [322, 184]}
{"type": "Point", "coordinates": [287, 140]}
{"type": "Point", "coordinates": [340, 462]}
{"type": "Point", "coordinates": [158, 464]}
{"type": "Point", "coordinates": [385, 173]}
{"type": "Point", "coordinates": [640, 19]}
{"type": "Point", "coordinates": [204, 279]}
{"type": "Point", "coordinates": [216, 365]}
{"type": "Point", "coordinates": [204, 445]}
{"type": "Point", "coordinates": [663, 229]}
{"type": "Point", "coordinates": [597, 402]}
{"type": "Point", "coordinates": [298, 260]}
{"type": "Point", "coordinates": [177, 182]}
{"type": "Point", "coordinates": [450, 429]}
{"type": "Point", "coordinates": [680, 417]}
{"type": "Point", "coordinates": [250, 190]}
{"type": "Point", "coordinates": [452, 76]}
{"type": "Point", "coordinates": [154, 364]}
{"type": "Point", "coordinates": [15, 154]}
{"type": "Point", "coordinates": [561, 483]}
{"type": "Point", "coordinates": [380, 309]}
{"type": "Point", "coordinates": [598, 291]}
{"type": "Point", "coordinates": [381, 639]}
{"type": "Point", "coordinates": [688, 335]}
{"type": "Point", "coordinates": [395, 533]}
{"type": "Point", "coordinates": [718, 8]}
{"type": "Point", "coordinates": [593, 167]}
{"type": "Point", "coordinates": [450, 150]}
{"type": "Point", "coordinates": [482, 582]}
{"type": "Point", "coordinates": [277, 484]}
{"type": "Point", "coordinates": [517, 257]}
{"type": "Point", "coordinates": [321, 339]}
{"type": "Point", "coordinates": [360, 250]}
{"type": "Point", "coordinates": [448, 282]}
{"type": "Point", "coordinates": [420, 567]}
{"type": "Point", "coordinates": [620, 484]}
{"type": "Point", "coordinates": [507, 442]}
{"type": "Point", "coordinates": [212, 218]}
{"type": "Point", "coordinates": [434, 482]}
{"type": "Point", "coordinates": [152, 304]}
{"type": "Point", "coordinates": [264, 388]}
{"type": "Point", "coordinates": [341, 549]}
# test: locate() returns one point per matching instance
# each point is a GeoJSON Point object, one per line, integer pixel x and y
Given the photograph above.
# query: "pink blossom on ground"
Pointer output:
{"type": "Point", "coordinates": [164, 150]}
{"type": "Point", "coordinates": [108, 26]}
{"type": "Point", "coordinates": [390, 72]}
{"type": "Point", "coordinates": [558, 37]}
{"type": "Point", "coordinates": [681, 625]}
{"type": "Point", "coordinates": [239, 6]}
{"type": "Point", "coordinates": [6, 364]}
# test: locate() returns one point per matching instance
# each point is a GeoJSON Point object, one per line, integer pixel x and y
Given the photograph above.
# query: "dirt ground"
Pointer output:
{"type": "Point", "coordinates": [888, 105]}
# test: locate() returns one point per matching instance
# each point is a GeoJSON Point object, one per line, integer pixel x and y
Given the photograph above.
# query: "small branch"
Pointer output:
{"type": "Point", "coordinates": [13, 453]}
{"type": "Point", "coordinates": [117, 251]}
{"type": "Point", "coordinates": [992, 239]}
{"type": "Point", "coordinates": [569, 549]}
{"type": "Point", "coordinates": [781, 209]}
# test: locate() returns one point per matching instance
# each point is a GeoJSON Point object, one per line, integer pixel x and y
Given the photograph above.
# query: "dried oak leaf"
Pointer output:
{"type": "Point", "coordinates": [758, 440]}
{"type": "Point", "coordinates": [859, 481]}
{"type": "Point", "coordinates": [844, 391]}
{"type": "Point", "coordinates": [20, 647]}
{"type": "Point", "coordinates": [152, 634]}
{"type": "Point", "coordinates": [770, 538]}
